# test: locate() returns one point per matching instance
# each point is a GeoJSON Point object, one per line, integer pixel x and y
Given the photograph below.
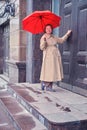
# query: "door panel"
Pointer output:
{"type": "Point", "coordinates": [66, 14]}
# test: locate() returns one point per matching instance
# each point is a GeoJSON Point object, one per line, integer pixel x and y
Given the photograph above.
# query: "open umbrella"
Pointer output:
{"type": "Point", "coordinates": [36, 22]}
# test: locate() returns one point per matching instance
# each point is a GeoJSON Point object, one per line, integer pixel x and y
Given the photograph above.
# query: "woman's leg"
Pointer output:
{"type": "Point", "coordinates": [51, 84]}
{"type": "Point", "coordinates": [45, 84]}
{"type": "Point", "coordinates": [48, 85]}
{"type": "Point", "coordinates": [42, 85]}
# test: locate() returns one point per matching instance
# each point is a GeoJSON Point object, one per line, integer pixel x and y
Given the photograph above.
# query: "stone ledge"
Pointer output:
{"type": "Point", "coordinates": [79, 90]}
{"type": "Point", "coordinates": [17, 71]}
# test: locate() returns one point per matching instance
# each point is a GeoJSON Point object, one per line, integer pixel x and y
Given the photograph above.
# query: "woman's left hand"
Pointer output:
{"type": "Point", "coordinates": [69, 32]}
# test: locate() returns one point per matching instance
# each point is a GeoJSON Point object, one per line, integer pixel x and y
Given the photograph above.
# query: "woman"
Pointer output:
{"type": "Point", "coordinates": [51, 70]}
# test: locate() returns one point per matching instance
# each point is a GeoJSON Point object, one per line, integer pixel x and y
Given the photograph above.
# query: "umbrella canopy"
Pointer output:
{"type": "Point", "coordinates": [36, 22]}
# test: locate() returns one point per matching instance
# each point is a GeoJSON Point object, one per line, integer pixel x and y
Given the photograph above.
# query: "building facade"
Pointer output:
{"type": "Point", "coordinates": [13, 42]}
{"type": "Point", "coordinates": [20, 56]}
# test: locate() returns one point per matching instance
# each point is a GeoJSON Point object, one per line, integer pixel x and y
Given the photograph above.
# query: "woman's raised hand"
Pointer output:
{"type": "Point", "coordinates": [69, 32]}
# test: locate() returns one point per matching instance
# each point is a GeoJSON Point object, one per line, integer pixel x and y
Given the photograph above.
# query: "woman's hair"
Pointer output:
{"type": "Point", "coordinates": [48, 25]}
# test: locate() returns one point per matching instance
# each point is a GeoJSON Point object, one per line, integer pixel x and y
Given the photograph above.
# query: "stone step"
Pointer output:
{"type": "Point", "coordinates": [19, 117]}
{"type": "Point", "coordinates": [5, 123]}
{"type": "Point", "coordinates": [3, 81]}
{"type": "Point", "coordinates": [56, 110]}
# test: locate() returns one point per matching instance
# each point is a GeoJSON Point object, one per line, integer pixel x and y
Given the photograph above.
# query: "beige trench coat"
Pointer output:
{"type": "Point", "coordinates": [51, 69]}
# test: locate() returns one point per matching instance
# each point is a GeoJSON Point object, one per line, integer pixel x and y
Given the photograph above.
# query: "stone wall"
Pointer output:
{"type": "Point", "coordinates": [17, 44]}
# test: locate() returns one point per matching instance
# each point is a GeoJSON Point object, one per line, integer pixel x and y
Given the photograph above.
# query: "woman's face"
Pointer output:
{"type": "Point", "coordinates": [48, 29]}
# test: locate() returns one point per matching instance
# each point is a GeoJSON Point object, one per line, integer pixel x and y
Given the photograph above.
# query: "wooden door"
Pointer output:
{"type": "Point", "coordinates": [74, 51]}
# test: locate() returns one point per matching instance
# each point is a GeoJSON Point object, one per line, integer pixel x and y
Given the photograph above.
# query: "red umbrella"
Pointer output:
{"type": "Point", "coordinates": [36, 22]}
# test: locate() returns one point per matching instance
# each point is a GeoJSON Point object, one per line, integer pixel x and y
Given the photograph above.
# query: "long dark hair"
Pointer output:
{"type": "Point", "coordinates": [48, 25]}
